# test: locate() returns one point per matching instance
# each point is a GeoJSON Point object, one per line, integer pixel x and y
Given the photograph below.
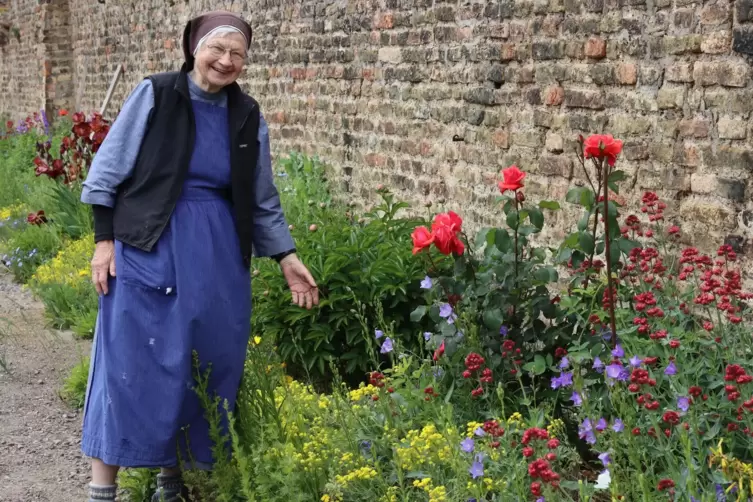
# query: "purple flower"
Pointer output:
{"type": "Point", "coordinates": [585, 431]}
{"type": "Point", "coordinates": [477, 469]}
{"type": "Point", "coordinates": [604, 457]}
{"type": "Point", "coordinates": [601, 425]}
{"type": "Point", "coordinates": [386, 346]}
{"type": "Point", "coordinates": [617, 351]}
{"type": "Point", "coordinates": [671, 369]}
{"type": "Point", "coordinates": [576, 399]}
{"type": "Point", "coordinates": [564, 380]}
{"type": "Point", "coordinates": [683, 403]}
{"type": "Point", "coordinates": [378, 334]}
{"type": "Point", "coordinates": [598, 365]}
{"type": "Point", "coordinates": [427, 336]}
{"type": "Point", "coordinates": [541, 499]}
{"type": "Point", "coordinates": [479, 432]}
{"type": "Point", "coordinates": [617, 372]}
{"type": "Point", "coordinates": [635, 361]}
{"type": "Point", "coordinates": [467, 445]}
{"type": "Point", "coordinates": [564, 363]}
{"type": "Point", "coordinates": [618, 425]}
{"type": "Point", "coordinates": [503, 331]}
{"type": "Point", "coordinates": [445, 310]}
{"type": "Point", "coordinates": [427, 283]}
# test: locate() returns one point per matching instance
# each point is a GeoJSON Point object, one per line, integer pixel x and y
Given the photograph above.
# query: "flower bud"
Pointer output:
{"type": "Point", "coordinates": [520, 196]}
{"type": "Point", "coordinates": [380, 187]}
{"type": "Point", "coordinates": [312, 227]}
{"type": "Point", "coordinates": [322, 205]}
{"type": "Point", "coordinates": [311, 202]}
{"type": "Point", "coordinates": [290, 227]}
{"type": "Point", "coordinates": [255, 272]}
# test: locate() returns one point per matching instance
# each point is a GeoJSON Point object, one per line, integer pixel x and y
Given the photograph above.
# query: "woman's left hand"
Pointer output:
{"type": "Point", "coordinates": [301, 283]}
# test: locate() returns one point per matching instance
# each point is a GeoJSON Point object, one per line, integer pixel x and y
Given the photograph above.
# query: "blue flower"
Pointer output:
{"type": "Point", "coordinates": [604, 457]}
{"type": "Point", "coordinates": [445, 310]}
{"type": "Point", "coordinates": [598, 365]}
{"type": "Point", "coordinates": [467, 445]}
{"type": "Point", "coordinates": [427, 336]}
{"type": "Point", "coordinates": [635, 361]}
{"type": "Point", "coordinates": [585, 431]}
{"type": "Point", "coordinates": [576, 399]}
{"type": "Point", "coordinates": [427, 283]}
{"type": "Point", "coordinates": [378, 334]}
{"type": "Point", "coordinates": [479, 432]}
{"type": "Point", "coordinates": [503, 331]}
{"type": "Point", "coordinates": [564, 380]}
{"type": "Point", "coordinates": [477, 469]}
{"type": "Point", "coordinates": [617, 372]}
{"type": "Point", "coordinates": [564, 363]}
{"type": "Point", "coordinates": [601, 425]}
{"type": "Point", "coordinates": [683, 403]}
{"type": "Point", "coordinates": [618, 425]}
{"type": "Point", "coordinates": [618, 351]}
{"type": "Point", "coordinates": [386, 346]}
{"type": "Point", "coordinates": [671, 369]}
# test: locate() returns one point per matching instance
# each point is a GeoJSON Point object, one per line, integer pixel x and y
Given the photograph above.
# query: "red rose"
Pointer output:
{"type": "Point", "coordinates": [422, 238]}
{"type": "Point", "coordinates": [603, 146]}
{"type": "Point", "coordinates": [449, 219]}
{"type": "Point", "coordinates": [445, 238]}
{"type": "Point", "coordinates": [513, 179]}
{"type": "Point", "coordinates": [63, 112]}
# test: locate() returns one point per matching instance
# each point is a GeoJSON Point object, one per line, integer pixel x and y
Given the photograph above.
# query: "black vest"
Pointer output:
{"type": "Point", "coordinates": [146, 200]}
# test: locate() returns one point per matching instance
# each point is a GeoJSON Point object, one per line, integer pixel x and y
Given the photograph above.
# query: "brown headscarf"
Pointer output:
{"type": "Point", "coordinates": [198, 27]}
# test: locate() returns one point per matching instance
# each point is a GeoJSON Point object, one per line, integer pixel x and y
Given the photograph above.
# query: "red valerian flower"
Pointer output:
{"type": "Point", "coordinates": [63, 112]}
{"type": "Point", "coordinates": [665, 484]}
{"type": "Point", "coordinates": [439, 352]}
{"type": "Point", "coordinates": [513, 179]}
{"type": "Point", "coordinates": [602, 146]}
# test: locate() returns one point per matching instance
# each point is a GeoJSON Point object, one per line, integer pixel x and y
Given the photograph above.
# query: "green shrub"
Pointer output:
{"type": "Point", "coordinates": [361, 267]}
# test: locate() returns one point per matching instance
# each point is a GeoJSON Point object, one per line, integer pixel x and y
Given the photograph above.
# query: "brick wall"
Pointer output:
{"type": "Point", "coordinates": [435, 97]}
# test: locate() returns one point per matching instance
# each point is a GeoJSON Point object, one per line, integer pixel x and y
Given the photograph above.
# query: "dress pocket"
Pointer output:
{"type": "Point", "coordinates": [154, 270]}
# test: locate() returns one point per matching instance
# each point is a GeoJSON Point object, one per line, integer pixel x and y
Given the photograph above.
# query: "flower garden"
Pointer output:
{"type": "Point", "coordinates": [440, 366]}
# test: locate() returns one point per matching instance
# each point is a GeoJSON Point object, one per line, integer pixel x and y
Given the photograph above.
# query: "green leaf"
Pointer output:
{"type": "Point", "coordinates": [502, 240]}
{"type": "Point", "coordinates": [552, 205]}
{"type": "Point", "coordinates": [583, 221]}
{"type": "Point", "coordinates": [545, 274]}
{"type": "Point", "coordinates": [627, 245]}
{"type": "Point", "coordinates": [536, 217]}
{"type": "Point", "coordinates": [512, 220]}
{"type": "Point", "coordinates": [586, 242]}
{"type": "Point", "coordinates": [618, 176]}
{"type": "Point", "coordinates": [582, 196]}
{"type": "Point", "coordinates": [614, 254]}
{"type": "Point", "coordinates": [482, 237]}
{"type": "Point", "coordinates": [493, 319]}
{"type": "Point", "coordinates": [539, 364]}
{"type": "Point", "coordinates": [418, 314]}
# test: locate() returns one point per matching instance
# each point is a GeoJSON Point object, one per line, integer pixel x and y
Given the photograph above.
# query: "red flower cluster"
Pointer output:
{"type": "Point", "coordinates": [665, 484]}
{"type": "Point", "coordinates": [534, 433]}
{"type": "Point", "coordinates": [76, 151]}
{"type": "Point", "coordinates": [473, 363]}
{"type": "Point", "coordinates": [37, 218]}
{"type": "Point", "coordinates": [444, 235]}
{"type": "Point", "coordinates": [653, 206]}
{"type": "Point", "coordinates": [376, 379]}
{"type": "Point", "coordinates": [736, 374]}
{"type": "Point", "coordinates": [493, 428]}
{"type": "Point", "coordinates": [671, 417]}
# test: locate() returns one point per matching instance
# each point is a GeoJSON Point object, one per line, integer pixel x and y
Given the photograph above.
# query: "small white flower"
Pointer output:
{"type": "Point", "coordinates": [602, 482]}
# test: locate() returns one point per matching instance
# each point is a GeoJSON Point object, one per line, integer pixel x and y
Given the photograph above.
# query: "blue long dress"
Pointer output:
{"type": "Point", "coordinates": [191, 293]}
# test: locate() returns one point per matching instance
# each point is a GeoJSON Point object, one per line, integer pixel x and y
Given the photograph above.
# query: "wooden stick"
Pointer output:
{"type": "Point", "coordinates": [113, 83]}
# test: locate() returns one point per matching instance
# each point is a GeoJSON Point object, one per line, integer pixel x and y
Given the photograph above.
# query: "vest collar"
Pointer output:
{"type": "Point", "coordinates": [239, 105]}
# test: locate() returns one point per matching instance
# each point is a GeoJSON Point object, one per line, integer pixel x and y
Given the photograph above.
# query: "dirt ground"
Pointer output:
{"type": "Point", "coordinates": [40, 457]}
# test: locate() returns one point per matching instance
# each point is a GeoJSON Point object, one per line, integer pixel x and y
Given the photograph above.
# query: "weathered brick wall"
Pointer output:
{"type": "Point", "coordinates": [435, 97]}
{"type": "Point", "coordinates": [21, 73]}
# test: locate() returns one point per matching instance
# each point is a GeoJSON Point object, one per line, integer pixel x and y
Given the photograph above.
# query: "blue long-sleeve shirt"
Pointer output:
{"type": "Point", "coordinates": [116, 158]}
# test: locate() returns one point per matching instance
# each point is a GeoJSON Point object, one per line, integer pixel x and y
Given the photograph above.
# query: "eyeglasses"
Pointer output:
{"type": "Point", "coordinates": [218, 51]}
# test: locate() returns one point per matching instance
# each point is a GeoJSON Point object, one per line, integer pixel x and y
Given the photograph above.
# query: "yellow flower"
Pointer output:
{"type": "Point", "coordinates": [257, 340]}
{"type": "Point", "coordinates": [515, 418]}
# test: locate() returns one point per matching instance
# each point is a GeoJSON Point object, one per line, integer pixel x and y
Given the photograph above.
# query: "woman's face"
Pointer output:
{"type": "Point", "coordinates": [220, 60]}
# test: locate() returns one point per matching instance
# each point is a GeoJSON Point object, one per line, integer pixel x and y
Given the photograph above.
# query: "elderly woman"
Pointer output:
{"type": "Point", "coordinates": [182, 192]}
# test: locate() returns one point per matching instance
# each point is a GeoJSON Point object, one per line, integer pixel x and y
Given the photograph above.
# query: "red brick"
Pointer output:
{"type": "Point", "coordinates": [384, 20]}
{"type": "Point", "coordinates": [596, 48]}
{"type": "Point", "coordinates": [627, 73]}
{"type": "Point", "coordinates": [554, 96]}
{"type": "Point", "coordinates": [501, 138]}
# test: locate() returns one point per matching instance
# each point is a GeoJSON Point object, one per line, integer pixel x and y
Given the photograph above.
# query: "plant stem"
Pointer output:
{"type": "Point", "coordinates": [517, 215]}
{"type": "Point", "coordinates": [607, 244]}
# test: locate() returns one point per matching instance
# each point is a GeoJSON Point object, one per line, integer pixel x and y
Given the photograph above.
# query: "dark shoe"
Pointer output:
{"type": "Point", "coordinates": [170, 489]}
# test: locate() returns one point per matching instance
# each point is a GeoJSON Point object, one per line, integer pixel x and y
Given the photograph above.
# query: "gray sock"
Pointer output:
{"type": "Point", "coordinates": [102, 493]}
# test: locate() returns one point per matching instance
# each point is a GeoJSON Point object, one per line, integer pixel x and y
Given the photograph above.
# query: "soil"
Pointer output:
{"type": "Point", "coordinates": [40, 456]}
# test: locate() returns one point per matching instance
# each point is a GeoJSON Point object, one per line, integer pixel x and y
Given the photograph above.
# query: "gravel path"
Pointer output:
{"type": "Point", "coordinates": [40, 458]}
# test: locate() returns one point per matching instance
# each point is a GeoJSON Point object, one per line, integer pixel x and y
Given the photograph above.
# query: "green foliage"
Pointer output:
{"type": "Point", "coordinates": [364, 262]}
{"type": "Point", "coordinates": [137, 485]}
{"type": "Point", "coordinates": [74, 388]}
{"type": "Point", "coordinates": [28, 248]}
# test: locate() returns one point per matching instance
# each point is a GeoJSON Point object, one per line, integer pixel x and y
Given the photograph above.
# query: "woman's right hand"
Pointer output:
{"type": "Point", "coordinates": [103, 265]}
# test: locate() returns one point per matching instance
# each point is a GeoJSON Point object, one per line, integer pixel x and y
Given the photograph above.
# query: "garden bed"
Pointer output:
{"type": "Point", "coordinates": [442, 366]}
